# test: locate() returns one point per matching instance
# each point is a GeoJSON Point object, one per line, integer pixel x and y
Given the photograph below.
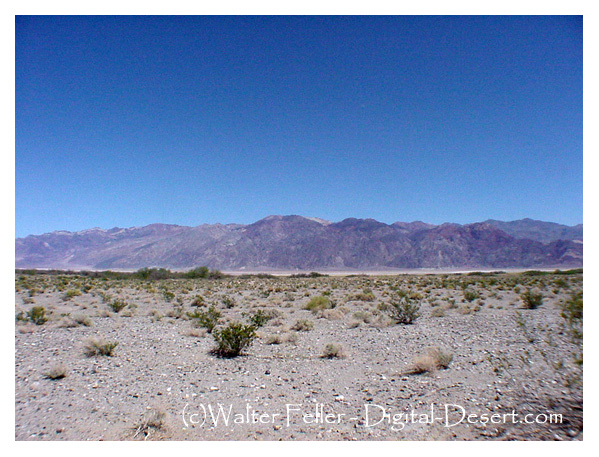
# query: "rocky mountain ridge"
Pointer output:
{"type": "Point", "coordinates": [302, 243]}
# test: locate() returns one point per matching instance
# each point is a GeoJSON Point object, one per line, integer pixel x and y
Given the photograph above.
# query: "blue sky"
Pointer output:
{"type": "Point", "coordinates": [127, 121]}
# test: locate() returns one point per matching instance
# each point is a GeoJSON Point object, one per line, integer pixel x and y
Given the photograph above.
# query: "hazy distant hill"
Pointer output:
{"type": "Point", "coordinates": [544, 232]}
{"type": "Point", "coordinates": [296, 242]}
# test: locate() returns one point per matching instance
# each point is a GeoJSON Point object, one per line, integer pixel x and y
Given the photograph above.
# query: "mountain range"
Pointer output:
{"type": "Point", "coordinates": [304, 243]}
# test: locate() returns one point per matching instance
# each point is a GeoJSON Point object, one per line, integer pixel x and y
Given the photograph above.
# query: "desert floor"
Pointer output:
{"type": "Point", "coordinates": [475, 363]}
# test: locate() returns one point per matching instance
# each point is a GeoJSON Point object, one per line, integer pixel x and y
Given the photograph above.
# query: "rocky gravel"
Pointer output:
{"type": "Point", "coordinates": [163, 383]}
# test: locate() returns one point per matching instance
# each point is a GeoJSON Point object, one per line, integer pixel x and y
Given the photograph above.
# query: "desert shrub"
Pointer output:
{"type": "Point", "coordinates": [198, 301]}
{"type": "Point", "coordinates": [319, 303]}
{"type": "Point", "coordinates": [531, 300]}
{"type": "Point", "coordinates": [332, 314]}
{"type": "Point", "coordinates": [168, 295]}
{"type": "Point", "coordinates": [470, 295]}
{"type": "Point", "coordinates": [333, 351]}
{"type": "Point", "coordinates": [70, 294]}
{"type": "Point", "coordinates": [206, 319]}
{"type": "Point", "coordinates": [82, 320]}
{"type": "Point", "coordinates": [366, 295]}
{"type": "Point", "coordinates": [93, 347]}
{"type": "Point", "coordinates": [37, 315]}
{"type": "Point", "coordinates": [363, 316]}
{"type": "Point", "coordinates": [56, 372]}
{"type": "Point", "coordinates": [572, 312]}
{"type": "Point", "coordinates": [259, 318]}
{"type": "Point", "coordinates": [281, 338]}
{"type": "Point", "coordinates": [404, 309]}
{"type": "Point", "coordinates": [303, 325]}
{"type": "Point", "coordinates": [117, 305]}
{"type": "Point", "coordinates": [432, 359]}
{"type": "Point", "coordinates": [228, 302]}
{"type": "Point", "coordinates": [438, 312]}
{"type": "Point", "coordinates": [233, 339]}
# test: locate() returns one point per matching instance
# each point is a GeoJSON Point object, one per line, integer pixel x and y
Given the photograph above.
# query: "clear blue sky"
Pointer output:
{"type": "Point", "coordinates": [127, 121]}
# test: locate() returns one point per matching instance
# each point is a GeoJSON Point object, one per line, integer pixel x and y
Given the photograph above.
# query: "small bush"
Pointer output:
{"type": "Point", "coordinates": [206, 319]}
{"type": "Point", "coordinates": [233, 339]}
{"type": "Point", "coordinates": [56, 372]}
{"type": "Point", "coordinates": [259, 318]}
{"type": "Point", "coordinates": [228, 302]}
{"type": "Point", "coordinates": [168, 295]}
{"type": "Point", "coordinates": [70, 294]}
{"type": "Point", "coordinates": [437, 312]}
{"type": "Point", "coordinates": [531, 300]}
{"type": "Point", "coordinates": [333, 351]}
{"type": "Point", "coordinates": [432, 359]}
{"type": "Point", "coordinates": [94, 347]}
{"type": "Point", "coordinates": [37, 315]}
{"type": "Point", "coordinates": [404, 309]}
{"type": "Point", "coordinates": [303, 325]}
{"type": "Point", "coordinates": [117, 305]}
{"type": "Point", "coordinates": [572, 312]}
{"type": "Point", "coordinates": [198, 301]}
{"type": "Point", "coordinates": [281, 338]}
{"type": "Point", "coordinates": [470, 295]}
{"type": "Point", "coordinates": [82, 320]}
{"type": "Point", "coordinates": [319, 303]}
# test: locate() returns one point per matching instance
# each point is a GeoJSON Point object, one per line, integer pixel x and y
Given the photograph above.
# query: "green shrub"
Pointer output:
{"type": "Point", "coordinates": [70, 294]}
{"type": "Point", "coordinates": [168, 295]}
{"type": "Point", "coordinates": [206, 319]}
{"type": "Point", "coordinates": [233, 339]}
{"type": "Point", "coordinates": [319, 303]}
{"type": "Point", "coordinates": [259, 318]}
{"type": "Point", "coordinates": [531, 300]}
{"type": "Point", "coordinates": [117, 305]}
{"type": "Point", "coordinates": [404, 309]}
{"type": "Point", "coordinates": [470, 295]}
{"type": "Point", "coordinates": [572, 312]}
{"type": "Point", "coordinates": [37, 315]}
{"type": "Point", "coordinates": [228, 302]}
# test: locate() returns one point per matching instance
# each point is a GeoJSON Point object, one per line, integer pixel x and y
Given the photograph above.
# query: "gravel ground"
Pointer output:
{"type": "Point", "coordinates": [163, 383]}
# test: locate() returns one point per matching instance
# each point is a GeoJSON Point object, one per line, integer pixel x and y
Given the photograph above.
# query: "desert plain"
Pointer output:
{"type": "Point", "coordinates": [447, 356]}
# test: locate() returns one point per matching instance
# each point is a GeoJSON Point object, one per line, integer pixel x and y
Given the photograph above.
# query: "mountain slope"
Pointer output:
{"type": "Point", "coordinates": [296, 242]}
{"type": "Point", "coordinates": [545, 232]}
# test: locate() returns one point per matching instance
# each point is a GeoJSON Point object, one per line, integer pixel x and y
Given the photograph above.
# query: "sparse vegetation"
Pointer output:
{"type": "Point", "coordinates": [233, 339]}
{"type": "Point", "coordinates": [319, 303]}
{"type": "Point", "coordinates": [56, 372]}
{"type": "Point", "coordinates": [536, 356]}
{"type": "Point", "coordinates": [94, 347]}
{"type": "Point", "coordinates": [153, 420]}
{"type": "Point", "coordinates": [333, 351]}
{"type": "Point", "coordinates": [432, 359]}
{"type": "Point", "coordinates": [303, 325]}
{"type": "Point", "coordinates": [37, 315]}
{"type": "Point", "coordinates": [404, 309]}
{"type": "Point", "coordinates": [207, 319]}
{"type": "Point", "coordinates": [117, 305]}
{"type": "Point", "coordinates": [531, 299]}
